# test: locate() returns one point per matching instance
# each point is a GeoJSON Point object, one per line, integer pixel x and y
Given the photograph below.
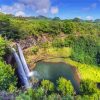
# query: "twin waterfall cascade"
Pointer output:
{"type": "Point", "coordinates": [22, 68]}
{"type": "Point", "coordinates": [25, 67]}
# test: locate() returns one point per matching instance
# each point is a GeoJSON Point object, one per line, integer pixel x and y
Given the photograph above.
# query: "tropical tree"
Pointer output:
{"type": "Point", "coordinates": [4, 23]}
{"type": "Point", "coordinates": [85, 49]}
{"type": "Point", "coordinates": [65, 86]}
{"type": "Point", "coordinates": [68, 27]}
{"type": "Point", "coordinates": [7, 77]}
{"type": "Point", "coordinates": [77, 19]}
{"type": "Point", "coordinates": [47, 86]}
{"type": "Point", "coordinates": [88, 87]}
{"type": "Point", "coordinates": [3, 45]}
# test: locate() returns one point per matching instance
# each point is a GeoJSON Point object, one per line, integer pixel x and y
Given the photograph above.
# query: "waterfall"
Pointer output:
{"type": "Point", "coordinates": [20, 70]}
{"type": "Point", "coordinates": [23, 61]}
{"type": "Point", "coordinates": [23, 71]}
{"type": "Point", "coordinates": [25, 67]}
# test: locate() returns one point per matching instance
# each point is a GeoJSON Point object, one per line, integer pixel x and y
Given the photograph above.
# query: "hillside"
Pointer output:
{"type": "Point", "coordinates": [75, 42]}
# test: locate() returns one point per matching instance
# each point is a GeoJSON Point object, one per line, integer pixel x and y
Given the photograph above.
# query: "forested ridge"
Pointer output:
{"type": "Point", "coordinates": [77, 41]}
{"type": "Point", "coordinates": [20, 27]}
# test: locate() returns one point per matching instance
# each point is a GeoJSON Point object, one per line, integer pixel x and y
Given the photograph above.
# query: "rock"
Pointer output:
{"type": "Point", "coordinates": [33, 41]}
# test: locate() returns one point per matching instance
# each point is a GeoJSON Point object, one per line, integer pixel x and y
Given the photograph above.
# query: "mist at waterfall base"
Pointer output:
{"type": "Point", "coordinates": [52, 71]}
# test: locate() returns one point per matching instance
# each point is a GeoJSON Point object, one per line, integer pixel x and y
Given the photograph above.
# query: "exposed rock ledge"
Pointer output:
{"type": "Point", "coordinates": [31, 41]}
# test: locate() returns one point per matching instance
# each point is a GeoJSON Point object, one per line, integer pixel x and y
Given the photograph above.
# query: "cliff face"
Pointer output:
{"type": "Point", "coordinates": [31, 41]}
{"type": "Point", "coordinates": [35, 40]}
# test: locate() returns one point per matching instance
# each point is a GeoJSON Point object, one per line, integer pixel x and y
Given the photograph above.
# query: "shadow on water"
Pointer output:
{"type": "Point", "coordinates": [52, 71]}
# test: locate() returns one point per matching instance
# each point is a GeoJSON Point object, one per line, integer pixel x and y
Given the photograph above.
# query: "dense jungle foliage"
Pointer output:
{"type": "Point", "coordinates": [8, 79]}
{"type": "Point", "coordinates": [85, 48]}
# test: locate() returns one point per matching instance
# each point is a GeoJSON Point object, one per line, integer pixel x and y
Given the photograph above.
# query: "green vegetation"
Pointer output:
{"type": "Point", "coordinates": [86, 50]}
{"type": "Point", "coordinates": [35, 49]}
{"type": "Point", "coordinates": [47, 90]}
{"type": "Point", "coordinates": [88, 87]}
{"type": "Point", "coordinates": [86, 72]}
{"type": "Point", "coordinates": [2, 47]}
{"type": "Point", "coordinates": [65, 87]}
{"type": "Point", "coordinates": [76, 42]}
{"type": "Point", "coordinates": [59, 52]}
{"type": "Point", "coordinates": [7, 77]}
{"type": "Point", "coordinates": [20, 28]}
{"type": "Point", "coordinates": [47, 86]}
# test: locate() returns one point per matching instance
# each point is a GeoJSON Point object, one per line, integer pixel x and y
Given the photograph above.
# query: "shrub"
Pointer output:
{"type": "Point", "coordinates": [23, 96]}
{"type": "Point", "coordinates": [68, 97]}
{"type": "Point", "coordinates": [35, 49]}
{"type": "Point", "coordinates": [45, 45]}
{"type": "Point", "coordinates": [88, 87]}
{"type": "Point", "coordinates": [2, 47]}
{"type": "Point", "coordinates": [86, 50]}
{"type": "Point", "coordinates": [54, 96]}
{"type": "Point", "coordinates": [58, 43]}
{"type": "Point", "coordinates": [68, 27]}
{"type": "Point", "coordinates": [7, 77]}
{"type": "Point", "coordinates": [47, 86]}
{"type": "Point", "coordinates": [54, 27]}
{"type": "Point", "coordinates": [12, 88]}
{"type": "Point", "coordinates": [4, 23]}
{"type": "Point", "coordinates": [39, 93]}
{"type": "Point", "coordinates": [65, 87]}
